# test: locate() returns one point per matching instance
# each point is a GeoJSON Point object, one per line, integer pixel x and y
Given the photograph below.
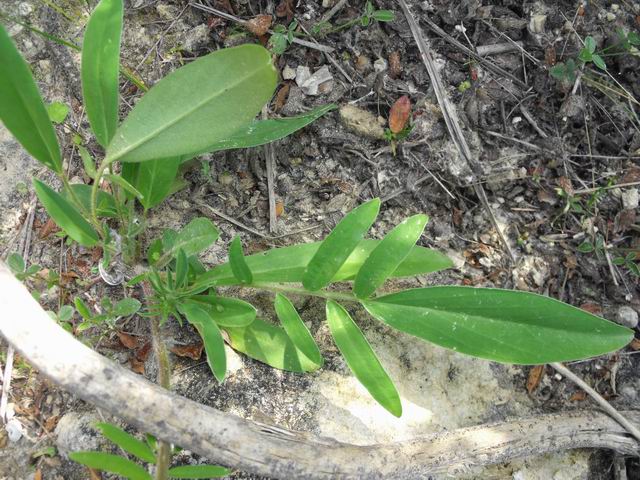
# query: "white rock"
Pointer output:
{"type": "Point", "coordinates": [14, 430]}
{"type": "Point", "coordinates": [627, 316]}
{"type": "Point", "coordinates": [630, 198]}
{"type": "Point", "coordinates": [380, 65]}
{"type": "Point", "coordinates": [24, 9]}
{"type": "Point", "coordinates": [536, 24]}
{"type": "Point", "coordinates": [288, 73]}
{"type": "Point", "coordinates": [310, 83]}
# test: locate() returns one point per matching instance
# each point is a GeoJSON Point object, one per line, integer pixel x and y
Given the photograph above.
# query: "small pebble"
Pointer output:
{"type": "Point", "coordinates": [288, 73]}
{"type": "Point", "coordinates": [380, 65]}
{"type": "Point", "coordinates": [610, 16]}
{"type": "Point", "coordinates": [627, 316]}
{"type": "Point", "coordinates": [630, 198]}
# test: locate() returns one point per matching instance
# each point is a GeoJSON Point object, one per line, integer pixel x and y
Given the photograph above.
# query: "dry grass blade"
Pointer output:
{"type": "Point", "coordinates": [453, 123]}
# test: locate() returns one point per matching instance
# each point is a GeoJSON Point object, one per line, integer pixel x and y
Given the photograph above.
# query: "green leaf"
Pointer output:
{"type": "Point", "coordinates": [65, 215]}
{"type": "Point", "coordinates": [196, 236]}
{"type": "Point", "coordinates": [586, 247]}
{"type": "Point", "coordinates": [87, 162]}
{"type": "Point", "coordinates": [16, 263]}
{"type": "Point", "coordinates": [105, 203]}
{"type": "Point", "coordinates": [153, 179]}
{"type": "Point", "coordinates": [296, 329]}
{"type": "Point", "coordinates": [336, 248]}
{"type": "Point", "coordinates": [197, 105]}
{"type": "Point", "coordinates": [226, 312]}
{"type": "Point", "coordinates": [211, 337]}
{"type": "Point", "coordinates": [100, 68]}
{"type": "Point", "coordinates": [111, 463]}
{"type": "Point", "coordinates": [154, 252]}
{"type": "Point", "coordinates": [21, 108]}
{"type": "Point", "coordinates": [633, 38]}
{"type": "Point", "coordinates": [278, 43]}
{"type": "Point", "coordinates": [126, 307]}
{"type": "Point", "coordinates": [271, 345]}
{"type": "Point", "coordinates": [199, 471]}
{"type": "Point", "coordinates": [388, 255]}
{"type": "Point", "coordinates": [121, 182]}
{"type": "Point", "coordinates": [287, 265]}
{"type": "Point", "coordinates": [585, 55]}
{"type": "Point", "coordinates": [383, 15]}
{"type": "Point", "coordinates": [598, 61]}
{"type": "Point", "coordinates": [65, 313]}
{"type": "Point", "coordinates": [57, 112]}
{"type": "Point", "coordinates": [127, 442]}
{"type": "Point", "coordinates": [501, 325]}
{"type": "Point", "coordinates": [558, 71]}
{"type": "Point", "coordinates": [82, 308]}
{"type": "Point", "coordinates": [361, 358]}
{"type": "Point", "coordinates": [182, 268]}
{"type": "Point", "coordinates": [590, 44]}
{"type": "Point", "coordinates": [237, 262]}
{"type": "Point", "coordinates": [260, 132]}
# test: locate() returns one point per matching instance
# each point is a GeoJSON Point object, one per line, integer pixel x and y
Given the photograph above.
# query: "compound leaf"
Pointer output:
{"type": "Point", "coordinates": [100, 68]}
{"type": "Point", "coordinates": [271, 345]}
{"type": "Point", "coordinates": [287, 264]}
{"type": "Point", "coordinates": [361, 358]}
{"type": "Point", "coordinates": [65, 215]}
{"type": "Point", "coordinates": [127, 442]}
{"type": "Point", "coordinates": [226, 312]}
{"type": "Point", "coordinates": [111, 463]}
{"type": "Point", "coordinates": [501, 325]}
{"type": "Point", "coordinates": [388, 255]}
{"type": "Point", "coordinates": [336, 248]}
{"type": "Point", "coordinates": [296, 329]}
{"type": "Point", "coordinates": [211, 337]}
{"type": "Point", "coordinates": [199, 471]}
{"type": "Point", "coordinates": [21, 108]}
{"type": "Point", "coordinates": [196, 106]}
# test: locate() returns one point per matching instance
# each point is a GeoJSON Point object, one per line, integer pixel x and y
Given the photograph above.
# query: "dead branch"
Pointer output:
{"type": "Point", "coordinates": [270, 450]}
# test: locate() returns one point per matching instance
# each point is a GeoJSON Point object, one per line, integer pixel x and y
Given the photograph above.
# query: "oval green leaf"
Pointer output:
{"type": "Point", "coordinates": [237, 262]}
{"type": "Point", "coordinates": [211, 337]}
{"type": "Point", "coordinates": [65, 215]}
{"type": "Point", "coordinates": [21, 108]}
{"type": "Point", "coordinates": [199, 471]}
{"type": "Point", "coordinates": [361, 358]}
{"type": "Point", "coordinates": [226, 312]}
{"type": "Point", "coordinates": [197, 105]}
{"type": "Point", "coordinates": [336, 248]}
{"type": "Point", "coordinates": [153, 179]}
{"type": "Point", "coordinates": [105, 203]}
{"type": "Point", "coordinates": [127, 442]}
{"type": "Point", "coordinates": [111, 463]}
{"type": "Point", "coordinates": [287, 265]}
{"type": "Point", "coordinates": [100, 68]}
{"type": "Point", "coordinates": [388, 255]}
{"type": "Point", "coordinates": [500, 325]}
{"type": "Point", "coordinates": [271, 345]}
{"type": "Point", "coordinates": [197, 235]}
{"type": "Point", "coordinates": [297, 330]}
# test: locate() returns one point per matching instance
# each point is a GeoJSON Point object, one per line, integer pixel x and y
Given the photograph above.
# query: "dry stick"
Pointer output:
{"type": "Point", "coordinates": [632, 429]}
{"type": "Point", "coordinates": [488, 64]}
{"type": "Point", "coordinates": [453, 124]}
{"type": "Point", "coordinates": [498, 48]}
{"type": "Point", "coordinates": [336, 8]}
{"type": "Point", "coordinates": [276, 452]}
{"type": "Point", "coordinates": [233, 18]}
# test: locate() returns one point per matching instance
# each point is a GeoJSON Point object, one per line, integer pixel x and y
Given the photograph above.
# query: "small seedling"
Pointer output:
{"type": "Point", "coordinates": [282, 37]}
{"type": "Point", "coordinates": [109, 314]}
{"type": "Point", "coordinates": [141, 451]}
{"type": "Point", "coordinates": [18, 267]}
{"type": "Point", "coordinates": [64, 317]}
{"type": "Point", "coordinates": [368, 16]}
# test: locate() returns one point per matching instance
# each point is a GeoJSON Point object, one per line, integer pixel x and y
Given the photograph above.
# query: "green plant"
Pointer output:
{"type": "Point", "coordinates": [282, 37]}
{"type": "Point", "coordinates": [18, 267]}
{"type": "Point", "coordinates": [209, 105]}
{"type": "Point", "coordinates": [368, 16]}
{"type": "Point", "coordinates": [109, 312]}
{"type": "Point", "coordinates": [141, 451]}
{"type": "Point", "coordinates": [566, 71]}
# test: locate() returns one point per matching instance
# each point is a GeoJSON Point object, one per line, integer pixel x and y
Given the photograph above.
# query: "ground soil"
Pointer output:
{"type": "Point", "coordinates": [558, 160]}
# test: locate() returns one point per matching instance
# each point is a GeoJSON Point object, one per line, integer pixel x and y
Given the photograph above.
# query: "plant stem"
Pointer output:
{"type": "Point", "coordinates": [163, 456]}
{"type": "Point", "coordinates": [94, 192]}
{"type": "Point", "coordinates": [279, 288]}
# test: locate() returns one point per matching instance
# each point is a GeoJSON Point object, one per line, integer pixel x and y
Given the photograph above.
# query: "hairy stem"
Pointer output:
{"type": "Point", "coordinates": [280, 288]}
{"type": "Point", "coordinates": [94, 193]}
{"type": "Point", "coordinates": [163, 455]}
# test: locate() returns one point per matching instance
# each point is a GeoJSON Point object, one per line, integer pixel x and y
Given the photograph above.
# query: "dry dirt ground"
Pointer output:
{"type": "Point", "coordinates": [558, 160]}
